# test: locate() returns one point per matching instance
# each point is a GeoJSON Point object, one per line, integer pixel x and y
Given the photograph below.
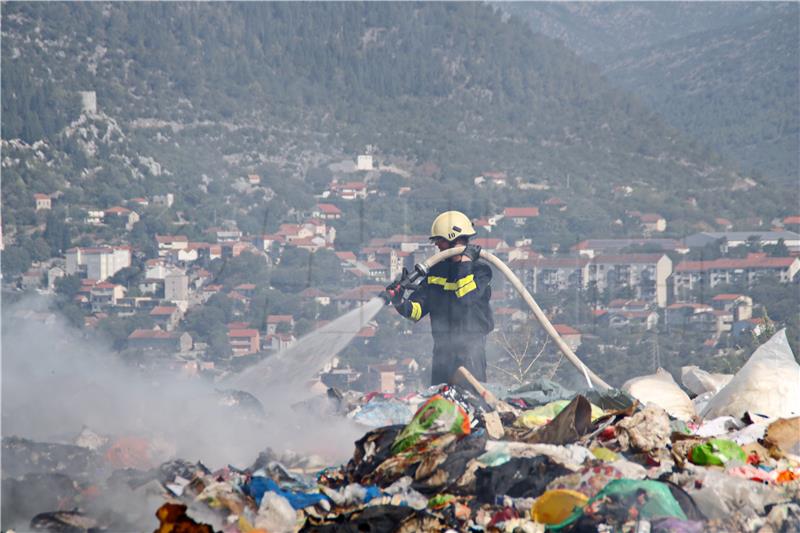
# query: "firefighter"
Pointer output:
{"type": "Point", "coordinates": [456, 294]}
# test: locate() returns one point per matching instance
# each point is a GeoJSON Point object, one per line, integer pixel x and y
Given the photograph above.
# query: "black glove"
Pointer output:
{"type": "Point", "coordinates": [394, 291]}
{"type": "Point", "coordinates": [473, 251]}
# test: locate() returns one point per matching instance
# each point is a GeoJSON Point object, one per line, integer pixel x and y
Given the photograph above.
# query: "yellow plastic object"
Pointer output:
{"type": "Point", "coordinates": [604, 454]}
{"type": "Point", "coordinates": [543, 414]}
{"type": "Point", "coordinates": [554, 506]}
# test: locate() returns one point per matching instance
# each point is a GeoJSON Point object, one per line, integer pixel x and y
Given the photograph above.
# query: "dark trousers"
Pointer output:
{"type": "Point", "coordinates": [449, 354]}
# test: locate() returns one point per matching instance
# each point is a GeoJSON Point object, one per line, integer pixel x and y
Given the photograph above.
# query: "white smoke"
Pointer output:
{"type": "Point", "coordinates": [56, 381]}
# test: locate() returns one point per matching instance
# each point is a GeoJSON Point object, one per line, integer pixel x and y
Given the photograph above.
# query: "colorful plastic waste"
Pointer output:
{"type": "Point", "coordinates": [437, 415]}
{"type": "Point", "coordinates": [554, 506]}
{"type": "Point", "coordinates": [543, 414]}
{"type": "Point", "coordinates": [717, 452]}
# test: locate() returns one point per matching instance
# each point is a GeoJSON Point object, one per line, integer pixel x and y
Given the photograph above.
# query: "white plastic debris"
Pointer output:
{"type": "Point", "coordinates": [768, 384]}
{"type": "Point", "coordinates": [660, 389]}
{"type": "Point", "coordinates": [698, 381]}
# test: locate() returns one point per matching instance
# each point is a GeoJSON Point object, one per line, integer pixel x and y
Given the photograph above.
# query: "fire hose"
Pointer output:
{"type": "Point", "coordinates": [421, 270]}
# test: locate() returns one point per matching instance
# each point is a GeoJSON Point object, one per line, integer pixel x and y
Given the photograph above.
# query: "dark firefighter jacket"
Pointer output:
{"type": "Point", "coordinates": [456, 295]}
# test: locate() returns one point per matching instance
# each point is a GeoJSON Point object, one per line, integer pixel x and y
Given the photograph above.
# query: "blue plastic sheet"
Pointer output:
{"type": "Point", "coordinates": [298, 500]}
{"type": "Point", "coordinates": [258, 486]}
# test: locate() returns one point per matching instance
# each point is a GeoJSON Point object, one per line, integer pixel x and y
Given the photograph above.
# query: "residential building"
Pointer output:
{"type": "Point", "coordinates": [244, 341]}
{"type": "Point", "coordinates": [593, 247]}
{"type": "Point", "coordinates": [176, 288]}
{"type": "Point", "coordinates": [166, 317]}
{"type": "Point", "coordinates": [326, 212]}
{"type": "Point", "coordinates": [253, 179]}
{"type": "Point", "coordinates": [733, 239]}
{"type": "Point", "coordinates": [95, 217]}
{"type": "Point", "coordinates": [54, 274]}
{"type": "Point", "coordinates": [520, 215]}
{"type": "Point", "coordinates": [317, 295]}
{"type": "Point", "coordinates": [157, 340]}
{"type": "Point", "coordinates": [739, 306]}
{"type": "Point", "coordinates": [691, 316]}
{"type": "Point", "coordinates": [549, 274]}
{"type": "Point", "coordinates": [171, 243]}
{"type": "Point", "coordinates": [97, 263]}
{"type": "Point", "coordinates": [570, 335]}
{"type": "Point", "coordinates": [652, 223]}
{"type": "Point", "coordinates": [105, 294]}
{"type": "Point", "coordinates": [279, 341]}
{"type": "Point", "coordinates": [645, 275]}
{"type": "Point", "coordinates": [129, 217]}
{"type": "Point", "coordinates": [32, 279]}
{"type": "Point", "coordinates": [353, 190]}
{"type": "Point", "coordinates": [705, 275]}
{"type": "Point", "coordinates": [365, 162]}
{"type": "Point", "coordinates": [274, 320]}
{"type": "Point", "coordinates": [42, 201]}
{"type": "Point", "coordinates": [164, 200]}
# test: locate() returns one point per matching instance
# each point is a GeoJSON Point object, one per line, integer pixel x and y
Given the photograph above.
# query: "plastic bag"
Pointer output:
{"type": "Point", "coordinates": [545, 413]}
{"type": "Point", "coordinates": [698, 381]}
{"type": "Point", "coordinates": [661, 389]}
{"type": "Point", "coordinates": [717, 452]}
{"type": "Point", "coordinates": [768, 384]}
{"type": "Point", "coordinates": [652, 499]}
{"type": "Point", "coordinates": [554, 506]}
{"type": "Point", "coordinates": [437, 415]}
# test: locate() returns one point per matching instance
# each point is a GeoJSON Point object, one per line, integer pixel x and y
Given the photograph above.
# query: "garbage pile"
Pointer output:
{"type": "Point", "coordinates": [456, 457]}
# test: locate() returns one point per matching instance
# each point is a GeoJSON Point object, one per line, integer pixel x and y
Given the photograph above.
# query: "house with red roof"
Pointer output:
{"type": "Point", "coordinates": [244, 341]}
{"type": "Point", "coordinates": [273, 321]}
{"type": "Point", "coordinates": [118, 212]}
{"type": "Point", "coordinates": [104, 294]}
{"type": "Point", "coordinates": [42, 201]}
{"type": "Point", "coordinates": [520, 215]}
{"type": "Point", "coordinates": [326, 212]}
{"type": "Point", "coordinates": [570, 335]}
{"type": "Point", "coordinates": [352, 190]}
{"type": "Point", "coordinates": [158, 340]}
{"type": "Point", "coordinates": [166, 317]}
{"type": "Point", "coordinates": [171, 243]}
{"type": "Point", "coordinates": [691, 316]}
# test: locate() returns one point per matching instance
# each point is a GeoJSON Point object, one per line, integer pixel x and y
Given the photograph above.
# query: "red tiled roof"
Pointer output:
{"type": "Point", "coordinates": [720, 297]}
{"type": "Point", "coordinates": [521, 212]}
{"type": "Point", "coordinates": [243, 333]}
{"type": "Point", "coordinates": [564, 329]}
{"type": "Point", "coordinates": [724, 264]}
{"type": "Point", "coordinates": [627, 259]}
{"type": "Point", "coordinates": [104, 285]}
{"type": "Point", "coordinates": [346, 256]}
{"type": "Point", "coordinates": [356, 185]}
{"type": "Point", "coordinates": [277, 319]}
{"type": "Point", "coordinates": [555, 200]}
{"type": "Point", "coordinates": [152, 334]}
{"type": "Point", "coordinates": [117, 210]}
{"type": "Point", "coordinates": [245, 287]}
{"type": "Point", "coordinates": [794, 219]}
{"type": "Point", "coordinates": [40, 196]}
{"type": "Point", "coordinates": [163, 310]}
{"type": "Point", "coordinates": [329, 209]}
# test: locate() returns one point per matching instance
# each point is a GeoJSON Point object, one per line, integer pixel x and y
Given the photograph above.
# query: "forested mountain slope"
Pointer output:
{"type": "Point", "coordinates": [212, 91]}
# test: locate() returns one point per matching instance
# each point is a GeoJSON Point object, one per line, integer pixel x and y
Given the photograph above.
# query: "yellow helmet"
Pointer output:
{"type": "Point", "coordinates": [451, 225]}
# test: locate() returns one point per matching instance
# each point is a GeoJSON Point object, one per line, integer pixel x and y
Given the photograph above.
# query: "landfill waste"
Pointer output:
{"type": "Point", "coordinates": [717, 452]}
{"type": "Point", "coordinates": [698, 381]}
{"type": "Point", "coordinates": [632, 468]}
{"type": "Point", "coordinates": [661, 389]}
{"type": "Point", "coordinates": [768, 384]}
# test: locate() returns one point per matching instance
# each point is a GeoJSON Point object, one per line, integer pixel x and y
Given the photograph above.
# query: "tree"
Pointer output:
{"type": "Point", "coordinates": [15, 261]}
{"type": "Point", "coordinates": [521, 352]}
{"type": "Point", "coordinates": [68, 286]}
